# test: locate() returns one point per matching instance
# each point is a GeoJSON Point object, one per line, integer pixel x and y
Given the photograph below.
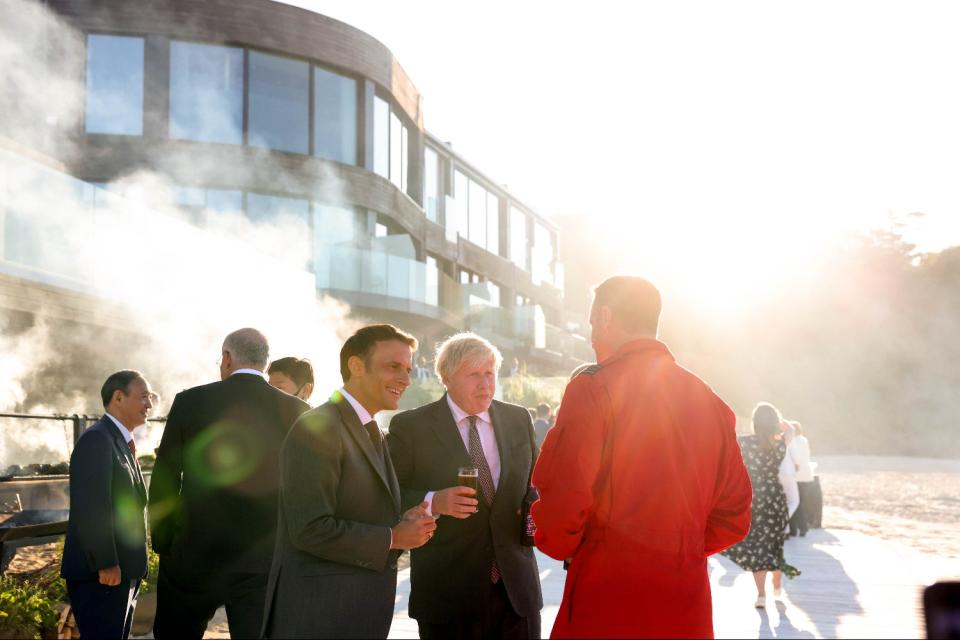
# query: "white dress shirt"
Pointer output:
{"type": "Point", "coordinates": [800, 452]}
{"type": "Point", "coordinates": [362, 413]}
{"type": "Point", "coordinates": [488, 439]}
{"type": "Point", "coordinates": [127, 434]}
{"type": "Point", "coordinates": [250, 371]}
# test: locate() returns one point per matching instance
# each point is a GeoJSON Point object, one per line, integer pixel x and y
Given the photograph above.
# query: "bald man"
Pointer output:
{"type": "Point", "coordinates": [213, 495]}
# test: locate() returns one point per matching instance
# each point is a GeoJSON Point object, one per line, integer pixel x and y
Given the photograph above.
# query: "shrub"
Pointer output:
{"type": "Point", "coordinates": [26, 609]}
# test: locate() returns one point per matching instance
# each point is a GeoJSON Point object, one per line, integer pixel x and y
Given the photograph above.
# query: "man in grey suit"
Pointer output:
{"type": "Point", "coordinates": [341, 528]}
{"type": "Point", "coordinates": [476, 579]}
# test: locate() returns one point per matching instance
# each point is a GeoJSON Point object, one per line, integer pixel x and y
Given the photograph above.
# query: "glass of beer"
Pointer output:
{"type": "Point", "coordinates": [468, 477]}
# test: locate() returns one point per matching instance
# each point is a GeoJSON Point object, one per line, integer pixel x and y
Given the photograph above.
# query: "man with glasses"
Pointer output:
{"type": "Point", "coordinates": [213, 495]}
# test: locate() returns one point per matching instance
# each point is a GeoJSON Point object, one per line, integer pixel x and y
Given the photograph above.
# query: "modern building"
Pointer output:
{"type": "Point", "coordinates": [285, 115]}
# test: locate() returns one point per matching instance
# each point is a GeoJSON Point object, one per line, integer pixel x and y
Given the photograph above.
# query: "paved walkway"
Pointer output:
{"type": "Point", "coordinates": [853, 586]}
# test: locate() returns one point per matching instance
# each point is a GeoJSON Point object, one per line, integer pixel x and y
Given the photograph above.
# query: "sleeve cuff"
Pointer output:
{"type": "Point", "coordinates": [429, 500]}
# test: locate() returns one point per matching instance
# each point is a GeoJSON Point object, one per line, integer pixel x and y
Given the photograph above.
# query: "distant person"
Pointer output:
{"type": "Point", "coordinates": [293, 375]}
{"type": "Point", "coordinates": [474, 579]}
{"type": "Point", "coordinates": [761, 551]}
{"type": "Point", "coordinates": [213, 495]}
{"type": "Point", "coordinates": [640, 480]}
{"type": "Point", "coordinates": [105, 552]}
{"type": "Point", "coordinates": [799, 450]}
{"type": "Point", "coordinates": [421, 372]}
{"type": "Point", "coordinates": [341, 526]}
{"type": "Point", "coordinates": [514, 368]}
{"type": "Point", "coordinates": [542, 422]}
{"type": "Point", "coordinates": [788, 471]}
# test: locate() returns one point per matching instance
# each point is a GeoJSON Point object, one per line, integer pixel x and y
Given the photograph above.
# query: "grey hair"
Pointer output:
{"type": "Point", "coordinates": [248, 347]}
{"type": "Point", "coordinates": [464, 348]}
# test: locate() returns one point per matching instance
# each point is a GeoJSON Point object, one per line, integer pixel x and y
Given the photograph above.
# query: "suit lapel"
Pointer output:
{"type": "Point", "coordinates": [121, 447]}
{"type": "Point", "coordinates": [503, 445]}
{"type": "Point", "coordinates": [447, 432]}
{"type": "Point", "coordinates": [356, 431]}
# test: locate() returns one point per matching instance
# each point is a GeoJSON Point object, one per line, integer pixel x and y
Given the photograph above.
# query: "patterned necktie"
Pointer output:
{"type": "Point", "coordinates": [133, 448]}
{"type": "Point", "coordinates": [375, 436]}
{"type": "Point", "coordinates": [485, 479]}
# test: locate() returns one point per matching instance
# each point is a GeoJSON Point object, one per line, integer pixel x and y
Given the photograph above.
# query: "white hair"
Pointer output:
{"type": "Point", "coordinates": [465, 348]}
{"type": "Point", "coordinates": [249, 347]}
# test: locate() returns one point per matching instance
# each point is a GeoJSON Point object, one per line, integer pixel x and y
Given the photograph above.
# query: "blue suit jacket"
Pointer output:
{"type": "Point", "coordinates": [108, 501]}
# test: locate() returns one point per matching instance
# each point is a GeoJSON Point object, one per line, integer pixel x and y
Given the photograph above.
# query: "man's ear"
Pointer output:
{"type": "Point", "coordinates": [356, 366]}
{"type": "Point", "coordinates": [118, 395]}
{"type": "Point", "coordinates": [606, 317]}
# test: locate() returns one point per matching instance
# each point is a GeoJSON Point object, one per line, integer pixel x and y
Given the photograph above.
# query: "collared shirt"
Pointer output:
{"type": "Point", "coordinates": [362, 413]}
{"type": "Point", "coordinates": [488, 439]}
{"type": "Point", "coordinates": [250, 371]}
{"type": "Point", "coordinates": [127, 434]}
{"type": "Point", "coordinates": [799, 450]}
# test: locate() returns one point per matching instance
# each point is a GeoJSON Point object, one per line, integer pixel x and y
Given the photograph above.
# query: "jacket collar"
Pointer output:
{"type": "Point", "coordinates": [649, 345]}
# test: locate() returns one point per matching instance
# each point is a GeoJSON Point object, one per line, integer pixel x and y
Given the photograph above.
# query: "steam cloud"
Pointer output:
{"type": "Point", "coordinates": [145, 289]}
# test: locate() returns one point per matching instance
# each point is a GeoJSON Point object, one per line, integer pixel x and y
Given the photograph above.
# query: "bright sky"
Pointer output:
{"type": "Point", "coordinates": [698, 127]}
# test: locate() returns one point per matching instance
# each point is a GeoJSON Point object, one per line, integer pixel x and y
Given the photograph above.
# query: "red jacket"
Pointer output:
{"type": "Point", "coordinates": [640, 480]}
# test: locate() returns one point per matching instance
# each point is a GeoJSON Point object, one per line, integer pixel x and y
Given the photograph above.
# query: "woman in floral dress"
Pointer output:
{"type": "Point", "coordinates": [762, 550]}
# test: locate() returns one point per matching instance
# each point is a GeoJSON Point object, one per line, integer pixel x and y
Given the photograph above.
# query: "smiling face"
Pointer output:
{"type": "Point", "coordinates": [472, 385]}
{"type": "Point", "coordinates": [379, 382]}
{"type": "Point", "coordinates": [133, 407]}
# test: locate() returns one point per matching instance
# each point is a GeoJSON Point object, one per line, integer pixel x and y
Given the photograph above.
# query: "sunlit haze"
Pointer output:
{"type": "Point", "coordinates": [739, 139]}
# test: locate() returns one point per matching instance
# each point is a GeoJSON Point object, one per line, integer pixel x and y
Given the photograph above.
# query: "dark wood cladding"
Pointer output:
{"type": "Point", "coordinates": [262, 24]}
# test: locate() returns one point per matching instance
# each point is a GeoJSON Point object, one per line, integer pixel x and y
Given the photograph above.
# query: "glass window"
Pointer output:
{"type": "Point", "coordinates": [464, 277]}
{"type": "Point", "coordinates": [380, 231]}
{"type": "Point", "coordinates": [542, 255]}
{"type": "Point", "coordinates": [335, 117]}
{"type": "Point", "coordinates": [433, 282]}
{"type": "Point", "coordinates": [398, 152]}
{"type": "Point", "coordinates": [334, 225]}
{"type": "Point", "coordinates": [381, 137]}
{"type": "Point", "coordinates": [224, 200]}
{"type": "Point", "coordinates": [478, 214]}
{"type": "Point", "coordinates": [494, 294]}
{"type": "Point", "coordinates": [493, 223]}
{"type": "Point", "coordinates": [206, 93]}
{"type": "Point", "coordinates": [518, 238]}
{"type": "Point", "coordinates": [190, 197]}
{"type": "Point", "coordinates": [279, 103]}
{"type": "Point", "coordinates": [114, 85]}
{"type": "Point", "coordinates": [461, 189]}
{"type": "Point", "coordinates": [431, 184]}
{"type": "Point", "coordinates": [262, 207]}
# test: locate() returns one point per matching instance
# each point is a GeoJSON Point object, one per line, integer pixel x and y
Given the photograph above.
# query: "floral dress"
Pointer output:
{"type": "Point", "coordinates": [762, 549]}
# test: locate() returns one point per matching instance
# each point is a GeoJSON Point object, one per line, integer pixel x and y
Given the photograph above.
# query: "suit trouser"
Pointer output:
{"type": "Point", "coordinates": [102, 611]}
{"type": "Point", "coordinates": [188, 599]}
{"type": "Point", "coordinates": [497, 620]}
{"type": "Point", "coordinates": [800, 520]}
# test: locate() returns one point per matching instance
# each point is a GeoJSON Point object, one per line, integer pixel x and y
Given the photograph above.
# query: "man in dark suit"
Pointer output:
{"type": "Point", "coordinates": [213, 494]}
{"type": "Point", "coordinates": [105, 553]}
{"type": "Point", "coordinates": [474, 579]}
{"type": "Point", "coordinates": [334, 572]}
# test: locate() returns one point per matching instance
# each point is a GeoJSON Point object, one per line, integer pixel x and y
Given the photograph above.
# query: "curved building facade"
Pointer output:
{"type": "Point", "coordinates": [283, 115]}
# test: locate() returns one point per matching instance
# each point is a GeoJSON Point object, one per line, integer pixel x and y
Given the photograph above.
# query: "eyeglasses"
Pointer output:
{"type": "Point", "coordinates": [220, 359]}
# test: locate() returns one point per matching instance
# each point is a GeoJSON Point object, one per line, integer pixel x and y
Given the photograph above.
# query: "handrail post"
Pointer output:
{"type": "Point", "coordinates": [78, 428]}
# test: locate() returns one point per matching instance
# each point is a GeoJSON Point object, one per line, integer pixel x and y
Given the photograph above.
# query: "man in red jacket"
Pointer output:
{"type": "Point", "coordinates": [640, 480]}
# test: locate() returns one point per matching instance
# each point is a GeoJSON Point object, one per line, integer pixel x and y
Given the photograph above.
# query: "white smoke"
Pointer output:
{"type": "Point", "coordinates": [150, 291]}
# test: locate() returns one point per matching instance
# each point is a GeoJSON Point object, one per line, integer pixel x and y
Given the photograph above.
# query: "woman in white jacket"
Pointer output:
{"type": "Point", "coordinates": [788, 471]}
